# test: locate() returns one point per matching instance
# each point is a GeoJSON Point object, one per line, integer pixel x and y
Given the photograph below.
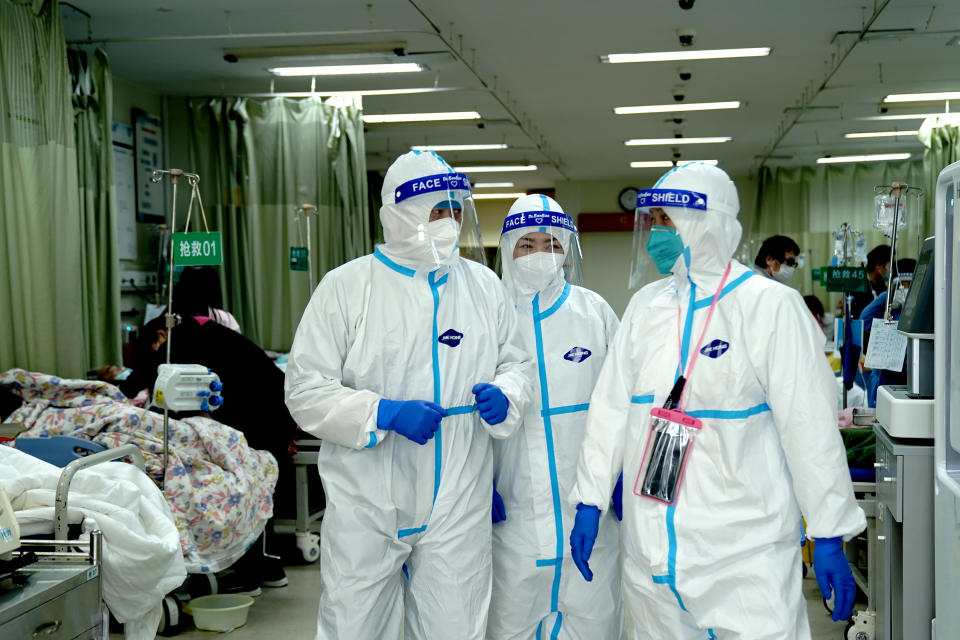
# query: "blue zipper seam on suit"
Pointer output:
{"type": "Point", "coordinates": [551, 457]}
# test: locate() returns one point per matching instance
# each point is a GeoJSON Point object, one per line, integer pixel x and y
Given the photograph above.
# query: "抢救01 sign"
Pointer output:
{"type": "Point", "coordinates": [197, 248]}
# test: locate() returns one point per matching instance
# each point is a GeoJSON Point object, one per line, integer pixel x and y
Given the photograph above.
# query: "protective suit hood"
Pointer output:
{"type": "Point", "coordinates": [416, 183]}
{"type": "Point", "coordinates": [539, 213]}
{"type": "Point", "coordinates": [702, 201]}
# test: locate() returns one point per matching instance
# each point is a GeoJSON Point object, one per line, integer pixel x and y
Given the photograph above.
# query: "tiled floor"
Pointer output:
{"type": "Point", "coordinates": [290, 613]}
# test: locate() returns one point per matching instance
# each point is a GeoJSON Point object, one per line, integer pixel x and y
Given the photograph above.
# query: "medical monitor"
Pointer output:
{"type": "Point", "coordinates": [916, 318]}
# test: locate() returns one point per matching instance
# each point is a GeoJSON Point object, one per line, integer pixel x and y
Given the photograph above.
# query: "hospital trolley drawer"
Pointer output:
{"type": "Point", "coordinates": [71, 615]}
{"type": "Point", "coordinates": [890, 480]}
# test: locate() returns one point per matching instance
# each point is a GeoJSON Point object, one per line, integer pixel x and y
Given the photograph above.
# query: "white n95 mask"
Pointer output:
{"type": "Point", "coordinates": [442, 237]}
{"type": "Point", "coordinates": [784, 275]}
{"type": "Point", "coordinates": [537, 270]}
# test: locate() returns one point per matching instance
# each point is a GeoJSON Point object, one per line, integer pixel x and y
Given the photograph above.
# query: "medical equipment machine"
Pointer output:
{"type": "Point", "coordinates": [187, 387]}
{"type": "Point", "coordinates": [891, 217]}
{"type": "Point", "coordinates": [947, 410]}
{"type": "Point", "coordinates": [905, 478]}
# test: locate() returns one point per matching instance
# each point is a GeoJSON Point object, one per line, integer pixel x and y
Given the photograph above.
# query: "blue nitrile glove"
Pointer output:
{"type": "Point", "coordinates": [417, 420]}
{"type": "Point", "coordinates": [584, 534]}
{"type": "Point", "coordinates": [491, 402]}
{"type": "Point", "coordinates": [499, 512]}
{"type": "Point", "coordinates": [617, 498]}
{"type": "Point", "coordinates": [834, 575]}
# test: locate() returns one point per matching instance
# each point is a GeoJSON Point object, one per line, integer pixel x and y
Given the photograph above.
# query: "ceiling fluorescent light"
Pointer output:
{"type": "Point", "coordinates": [880, 134]}
{"type": "Point", "coordinates": [498, 196]}
{"type": "Point", "coordinates": [867, 158]}
{"type": "Point", "coordinates": [496, 168]}
{"type": "Point", "coordinates": [458, 147]}
{"type": "Point", "coordinates": [673, 108]}
{"type": "Point", "coordinates": [493, 185]}
{"type": "Point", "coordinates": [316, 50]}
{"type": "Point", "coordinates": [669, 56]}
{"type": "Point", "coordinates": [923, 97]}
{"type": "Point", "coordinates": [645, 142]}
{"type": "Point", "coordinates": [904, 116]}
{"type": "Point", "coordinates": [666, 164]}
{"type": "Point", "coordinates": [420, 117]}
{"type": "Point", "coordinates": [346, 69]}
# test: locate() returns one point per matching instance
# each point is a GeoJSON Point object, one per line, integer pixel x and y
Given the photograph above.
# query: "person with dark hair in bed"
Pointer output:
{"type": "Point", "coordinates": [253, 400]}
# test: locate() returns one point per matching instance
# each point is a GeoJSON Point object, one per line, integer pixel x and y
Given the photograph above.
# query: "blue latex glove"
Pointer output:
{"type": "Point", "coordinates": [499, 512]}
{"type": "Point", "coordinates": [491, 402]}
{"type": "Point", "coordinates": [416, 420]}
{"type": "Point", "coordinates": [617, 498]}
{"type": "Point", "coordinates": [584, 534]}
{"type": "Point", "coordinates": [834, 575]}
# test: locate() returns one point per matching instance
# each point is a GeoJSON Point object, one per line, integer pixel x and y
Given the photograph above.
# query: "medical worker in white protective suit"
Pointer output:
{"type": "Point", "coordinates": [405, 363]}
{"type": "Point", "coordinates": [723, 560]}
{"type": "Point", "coordinates": [537, 592]}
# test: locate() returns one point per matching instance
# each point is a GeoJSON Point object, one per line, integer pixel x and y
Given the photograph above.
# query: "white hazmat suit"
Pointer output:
{"type": "Point", "coordinates": [405, 540]}
{"type": "Point", "coordinates": [724, 561]}
{"type": "Point", "coordinates": [537, 592]}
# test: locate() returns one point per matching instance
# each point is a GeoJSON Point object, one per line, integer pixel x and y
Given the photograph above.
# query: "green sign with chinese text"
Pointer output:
{"type": "Point", "coordinates": [850, 279]}
{"type": "Point", "coordinates": [298, 259]}
{"type": "Point", "coordinates": [197, 248]}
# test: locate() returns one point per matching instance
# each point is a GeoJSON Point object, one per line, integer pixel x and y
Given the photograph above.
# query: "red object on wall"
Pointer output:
{"type": "Point", "coordinates": [604, 222]}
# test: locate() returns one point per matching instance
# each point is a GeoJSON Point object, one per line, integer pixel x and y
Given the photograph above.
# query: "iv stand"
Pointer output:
{"type": "Point", "coordinates": [171, 319]}
{"type": "Point", "coordinates": [898, 190]}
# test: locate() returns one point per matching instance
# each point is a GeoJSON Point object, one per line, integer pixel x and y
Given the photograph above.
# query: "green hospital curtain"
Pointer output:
{"type": "Point", "coordinates": [810, 203]}
{"type": "Point", "coordinates": [941, 141]}
{"type": "Point", "coordinates": [258, 161]}
{"type": "Point", "coordinates": [100, 262]}
{"type": "Point", "coordinates": [41, 284]}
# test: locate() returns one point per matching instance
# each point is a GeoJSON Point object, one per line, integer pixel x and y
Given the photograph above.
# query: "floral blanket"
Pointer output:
{"type": "Point", "coordinates": [219, 490]}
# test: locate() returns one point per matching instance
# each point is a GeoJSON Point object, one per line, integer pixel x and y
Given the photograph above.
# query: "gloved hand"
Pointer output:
{"type": "Point", "coordinates": [491, 402]}
{"type": "Point", "coordinates": [617, 498]}
{"type": "Point", "coordinates": [834, 575]}
{"type": "Point", "coordinates": [416, 420]}
{"type": "Point", "coordinates": [584, 534]}
{"type": "Point", "coordinates": [499, 512]}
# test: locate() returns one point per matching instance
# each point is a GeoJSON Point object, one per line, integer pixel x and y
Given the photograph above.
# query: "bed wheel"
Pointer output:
{"type": "Point", "coordinates": [172, 618]}
{"type": "Point", "coordinates": [861, 627]}
{"type": "Point", "coordinates": [309, 545]}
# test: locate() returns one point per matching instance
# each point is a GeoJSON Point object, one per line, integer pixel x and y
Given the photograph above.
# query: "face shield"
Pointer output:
{"type": "Point", "coordinates": [901, 286]}
{"type": "Point", "coordinates": [428, 213]}
{"type": "Point", "coordinates": [539, 247]}
{"type": "Point", "coordinates": [656, 244]}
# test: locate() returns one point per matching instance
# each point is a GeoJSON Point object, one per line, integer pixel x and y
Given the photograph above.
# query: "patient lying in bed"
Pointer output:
{"type": "Point", "coordinates": [219, 489]}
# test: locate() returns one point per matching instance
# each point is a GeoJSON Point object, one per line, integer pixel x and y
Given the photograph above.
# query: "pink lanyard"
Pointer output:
{"type": "Point", "coordinates": [696, 352]}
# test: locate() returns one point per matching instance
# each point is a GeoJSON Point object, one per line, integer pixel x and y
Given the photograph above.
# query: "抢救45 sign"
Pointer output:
{"type": "Point", "coordinates": [197, 248]}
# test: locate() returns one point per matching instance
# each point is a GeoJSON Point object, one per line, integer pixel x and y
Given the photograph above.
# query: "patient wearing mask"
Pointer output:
{"type": "Point", "coordinates": [777, 258]}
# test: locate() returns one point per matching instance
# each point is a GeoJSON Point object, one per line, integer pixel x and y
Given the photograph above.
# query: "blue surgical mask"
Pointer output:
{"type": "Point", "coordinates": [664, 246]}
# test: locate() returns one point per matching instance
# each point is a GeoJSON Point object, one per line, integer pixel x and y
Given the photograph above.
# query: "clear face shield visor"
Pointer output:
{"type": "Point", "coordinates": [654, 206]}
{"type": "Point", "coordinates": [540, 241]}
{"type": "Point", "coordinates": [445, 216]}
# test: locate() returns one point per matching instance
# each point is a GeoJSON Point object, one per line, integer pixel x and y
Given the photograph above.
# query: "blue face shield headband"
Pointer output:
{"type": "Point", "coordinates": [456, 184]}
{"type": "Point", "coordinates": [542, 219]}
{"type": "Point", "coordinates": [678, 198]}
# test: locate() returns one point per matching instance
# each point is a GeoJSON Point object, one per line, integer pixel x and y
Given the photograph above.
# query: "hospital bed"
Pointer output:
{"type": "Point", "coordinates": [307, 515]}
{"type": "Point", "coordinates": [62, 592]}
